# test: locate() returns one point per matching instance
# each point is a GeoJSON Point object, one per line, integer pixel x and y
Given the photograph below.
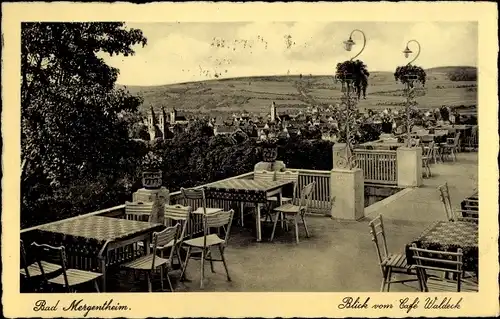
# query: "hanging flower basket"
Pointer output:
{"type": "Point", "coordinates": [409, 74]}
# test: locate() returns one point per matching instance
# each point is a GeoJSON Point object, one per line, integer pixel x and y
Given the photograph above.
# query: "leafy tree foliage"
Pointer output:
{"type": "Point", "coordinates": [409, 74]}
{"type": "Point", "coordinates": [75, 145]}
{"type": "Point", "coordinates": [463, 74]}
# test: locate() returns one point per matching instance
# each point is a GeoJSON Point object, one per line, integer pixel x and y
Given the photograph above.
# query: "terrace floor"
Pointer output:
{"type": "Point", "coordinates": [339, 256]}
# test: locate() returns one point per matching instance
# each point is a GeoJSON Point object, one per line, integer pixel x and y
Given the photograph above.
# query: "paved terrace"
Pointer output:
{"type": "Point", "coordinates": [339, 256]}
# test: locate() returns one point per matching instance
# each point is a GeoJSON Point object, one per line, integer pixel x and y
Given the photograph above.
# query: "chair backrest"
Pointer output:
{"type": "Point", "coordinates": [289, 175]}
{"type": "Point", "coordinates": [305, 197]}
{"type": "Point", "coordinates": [444, 193]}
{"type": "Point", "coordinates": [55, 255]}
{"type": "Point", "coordinates": [378, 237]}
{"type": "Point", "coordinates": [161, 239]}
{"type": "Point", "coordinates": [427, 151]}
{"type": "Point", "coordinates": [195, 194]}
{"type": "Point", "coordinates": [140, 211]}
{"type": "Point", "coordinates": [220, 220]}
{"type": "Point", "coordinates": [264, 175]}
{"type": "Point", "coordinates": [178, 214]}
{"type": "Point", "coordinates": [440, 261]}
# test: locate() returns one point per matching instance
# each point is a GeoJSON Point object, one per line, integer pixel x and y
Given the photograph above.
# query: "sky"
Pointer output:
{"type": "Point", "coordinates": [184, 52]}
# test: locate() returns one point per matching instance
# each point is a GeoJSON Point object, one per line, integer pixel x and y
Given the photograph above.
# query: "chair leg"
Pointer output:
{"type": "Point", "coordinates": [96, 285]}
{"type": "Point", "coordinates": [202, 271]}
{"type": "Point", "coordinates": [150, 283]}
{"type": "Point", "coordinates": [161, 278]}
{"type": "Point", "coordinates": [384, 279]}
{"type": "Point", "coordinates": [296, 228]}
{"type": "Point", "coordinates": [305, 224]}
{"type": "Point", "coordinates": [274, 225]}
{"type": "Point", "coordinates": [209, 255]}
{"type": "Point", "coordinates": [242, 206]}
{"type": "Point", "coordinates": [221, 249]}
{"type": "Point", "coordinates": [169, 282]}
{"type": "Point", "coordinates": [389, 277]}
{"type": "Point", "coordinates": [183, 276]}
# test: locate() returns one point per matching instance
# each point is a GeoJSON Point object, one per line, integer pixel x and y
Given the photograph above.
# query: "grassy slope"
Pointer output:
{"type": "Point", "coordinates": [255, 94]}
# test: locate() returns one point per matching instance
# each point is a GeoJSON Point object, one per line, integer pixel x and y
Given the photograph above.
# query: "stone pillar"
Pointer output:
{"type": "Point", "coordinates": [160, 197]}
{"type": "Point", "coordinates": [347, 187]}
{"type": "Point", "coordinates": [339, 154]}
{"type": "Point", "coordinates": [409, 166]}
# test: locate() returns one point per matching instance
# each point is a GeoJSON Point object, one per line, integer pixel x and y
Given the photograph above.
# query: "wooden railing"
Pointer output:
{"type": "Point", "coordinates": [321, 202]}
{"type": "Point", "coordinates": [379, 166]}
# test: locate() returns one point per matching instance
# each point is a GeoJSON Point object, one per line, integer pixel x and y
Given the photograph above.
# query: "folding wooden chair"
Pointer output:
{"type": "Point", "coordinates": [69, 279]}
{"type": "Point", "coordinates": [217, 220]}
{"type": "Point", "coordinates": [297, 209]}
{"type": "Point", "coordinates": [455, 214]}
{"type": "Point", "coordinates": [441, 262]}
{"type": "Point", "coordinates": [389, 263]}
{"type": "Point", "coordinates": [166, 239]}
{"type": "Point", "coordinates": [32, 271]}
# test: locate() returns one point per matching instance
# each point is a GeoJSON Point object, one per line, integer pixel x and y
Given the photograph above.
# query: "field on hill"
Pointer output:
{"type": "Point", "coordinates": [255, 94]}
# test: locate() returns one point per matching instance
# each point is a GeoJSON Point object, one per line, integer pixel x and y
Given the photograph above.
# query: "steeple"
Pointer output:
{"type": "Point", "coordinates": [273, 112]}
{"type": "Point", "coordinates": [173, 115]}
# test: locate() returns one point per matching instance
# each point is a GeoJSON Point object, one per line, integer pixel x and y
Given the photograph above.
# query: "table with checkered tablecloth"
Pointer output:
{"type": "Point", "coordinates": [449, 236]}
{"type": "Point", "coordinates": [97, 242]}
{"type": "Point", "coordinates": [247, 191]}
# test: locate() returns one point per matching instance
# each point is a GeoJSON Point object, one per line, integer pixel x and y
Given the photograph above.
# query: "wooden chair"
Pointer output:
{"type": "Point", "coordinates": [455, 214]}
{"type": "Point", "coordinates": [204, 244]}
{"type": "Point", "coordinates": [139, 211]}
{"type": "Point", "coordinates": [389, 263]}
{"type": "Point", "coordinates": [176, 214]}
{"type": "Point", "coordinates": [286, 176]}
{"type": "Point", "coordinates": [260, 175]}
{"type": "Point", "coordinates": [427, 155]}
{"type": "Point", "coordinates": [451, 147]}
{"type": "Point", "coordinates": [198, 194]}
{"type": "Point", "coordinates": [167, 238]}
{"type": "Point", "coordinates": [441, 262]}
{"type": "Point", "coordinates": [69, 279]}
{"type": "Point", "coordinates": [35, 271]}
{"type": "Point", "coordinates": [297, 209]}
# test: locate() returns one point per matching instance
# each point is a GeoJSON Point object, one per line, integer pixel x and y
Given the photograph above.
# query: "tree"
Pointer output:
{"type": "Point", "coordinates": [75, 148]}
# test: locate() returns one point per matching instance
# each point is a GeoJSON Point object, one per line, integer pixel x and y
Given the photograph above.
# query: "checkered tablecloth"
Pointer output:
{"type": "Point", "coordinates": [100, 228]}
{"type": "Point", "coordinates": [243, 190]}
{"type": "Point", "coordinates": [449, 236]}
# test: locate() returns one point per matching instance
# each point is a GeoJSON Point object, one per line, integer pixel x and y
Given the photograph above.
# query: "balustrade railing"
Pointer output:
{"type": "Point", "coordinates": [321, 202]}
{"type": "Point", "coordinates": [378, 166]}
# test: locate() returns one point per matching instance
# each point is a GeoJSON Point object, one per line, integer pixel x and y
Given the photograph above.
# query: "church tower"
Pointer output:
{"type": "Point", "coordinates": [163, 122]}
{"type": "Point", "coordinates": [173, 115]}
{"type": "Point", "coordinates": [273, 112]}
{"type": "Point", "coordinates": [152, 124]}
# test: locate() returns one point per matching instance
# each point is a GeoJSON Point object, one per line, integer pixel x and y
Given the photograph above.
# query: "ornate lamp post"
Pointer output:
{"type": "Point", "coordinates": [348, 107]}
{"type": "Point", "coordinates": [409, 76]}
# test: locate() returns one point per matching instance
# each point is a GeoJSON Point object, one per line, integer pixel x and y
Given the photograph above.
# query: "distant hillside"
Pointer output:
{"type": "Point", "coordinates": [255, 94]}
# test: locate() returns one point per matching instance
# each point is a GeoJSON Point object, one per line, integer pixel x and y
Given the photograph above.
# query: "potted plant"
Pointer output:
{"type": "Point", "coordinates": [269, 148]}
{"type": "Point", "coordinates": [152, 175]}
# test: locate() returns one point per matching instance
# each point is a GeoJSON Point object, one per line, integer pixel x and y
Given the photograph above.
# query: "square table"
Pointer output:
{"type": "Point", "coordinates": [247, 190]}
{"type": "Point", "coordinates": [449, 236]}
{"type": "Point", "coordinates": [97, 236]}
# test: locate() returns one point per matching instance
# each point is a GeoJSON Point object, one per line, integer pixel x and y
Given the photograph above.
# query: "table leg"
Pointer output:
{"type": "Point", "coordinates": [258, 224]}
{"type": "Point", "coordinates": [242, 206]}
{"type": "Point", "coordinates": [280, 201]}
{"type": "Point", "coordinates": [147, 245]}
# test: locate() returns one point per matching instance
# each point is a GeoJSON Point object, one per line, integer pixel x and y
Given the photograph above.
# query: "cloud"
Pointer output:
{"type": "Point", "coordinates": [197, 51]}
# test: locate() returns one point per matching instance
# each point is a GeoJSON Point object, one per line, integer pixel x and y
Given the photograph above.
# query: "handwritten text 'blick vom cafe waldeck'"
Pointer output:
{"type": "Point", "coordinates": [407, 304]}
